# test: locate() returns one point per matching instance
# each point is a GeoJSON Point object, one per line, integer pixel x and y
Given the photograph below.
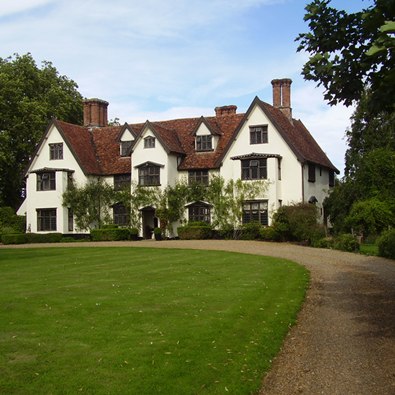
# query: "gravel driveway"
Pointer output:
{"type": "Point", "coordinates": [344, 340]}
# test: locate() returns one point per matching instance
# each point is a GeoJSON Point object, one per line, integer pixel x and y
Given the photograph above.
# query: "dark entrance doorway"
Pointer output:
{"type": "Point", "coordinates": [149, 221]}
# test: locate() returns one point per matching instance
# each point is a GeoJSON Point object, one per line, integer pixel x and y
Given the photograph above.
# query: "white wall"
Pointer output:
{"type": "Point", "coordinates": [289, 188]}
{"type": "Point", "coordinates": [51, 199]}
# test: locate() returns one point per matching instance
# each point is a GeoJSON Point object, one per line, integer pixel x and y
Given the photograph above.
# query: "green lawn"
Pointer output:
{"type": "Point", "coordinates": [142, 321]}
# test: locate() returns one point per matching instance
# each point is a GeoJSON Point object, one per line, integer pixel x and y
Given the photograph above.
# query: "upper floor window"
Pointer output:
{"type": "Point", "coordinates": [46, 181]}
{"type": "Point", "coordinates": [204, 143]}
{"type": "Point", "coordinates": [255, 211]}
{"type": "Point", "coordinates": [254, 169]}
{"type": "Point", "coordinates": [56, 151]}
{"type": "Point", "coordinates": [122, 181]}
{"type": "Point", "coordinates": [149, 142]}
{"type": "Point", "coordinates": [258, 134]}
{"type": "Point", "coordinates": [199, 212]}
{"type": "Point", "coordinates": [149, 175]}
{"type": "Point", "coordinates": [311, 175]}
{"type": "Point", "coordinates": [46, 219]}
{"type": "Point", "coordinates": [198, 176]}
{"type": "Point", "coordinates": [126, 147]}
{"type": "Point", "coordinates": [331, 178]}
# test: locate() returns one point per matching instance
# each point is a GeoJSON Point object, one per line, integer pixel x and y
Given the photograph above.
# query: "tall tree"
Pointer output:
{"type": "Point", "coordinates": [368, 132]}
{"type": "Point", "coordinates": [29, 97]}
{"type": "Point", "coordinates": [351, 51]}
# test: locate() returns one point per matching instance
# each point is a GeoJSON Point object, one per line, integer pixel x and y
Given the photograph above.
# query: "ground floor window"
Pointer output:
{"type": "Point", "coordinates": [121, 215]}
{"type": "Point", "coordinates": [255, 211]}
{"type": "Point", "coordinates": [46, 219]}
{"type": "Point", "coordinates": [199, 212]}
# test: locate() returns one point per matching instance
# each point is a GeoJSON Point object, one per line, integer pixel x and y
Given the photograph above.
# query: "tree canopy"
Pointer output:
{"type": "Point", "coordinates": [351, 51]}
{"type": "Point", "coordinates": [29, 97]}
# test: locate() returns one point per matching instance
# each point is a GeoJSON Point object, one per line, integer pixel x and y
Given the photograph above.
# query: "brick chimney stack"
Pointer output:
{"type": "Point", "coordinates": [225, 110]}
{"type": "Point", "coordinates": [95, 113]}
{"type": "Point", "coordinates": [282, 96]}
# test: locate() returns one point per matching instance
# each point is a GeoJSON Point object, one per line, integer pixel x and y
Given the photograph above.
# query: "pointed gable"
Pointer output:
{"type": "Point", "coordinates": [294, 133]}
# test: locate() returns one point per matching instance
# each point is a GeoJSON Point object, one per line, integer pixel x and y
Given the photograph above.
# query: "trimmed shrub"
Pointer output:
{"type": "Point", "coordinates": [267, 233]}
{"type": "Point", "coordinates": [110, 234]}
{"type": "Point", "coordinates": [346, 242]}
{"type": "Point", "coordinates": [195, 232]}
{"type": "Point", "coordinates": [386, 244]}
{"type": "Point", "coordinates": [325, 242]}
{"type": "Point", "coordinates": [297, 222]}
{"type": "Point", "coordinates": [250, 231]}
{"type": "Point", "coordinates": [13, 238]}
{"type": "Point", "coordinates": [43, 237]}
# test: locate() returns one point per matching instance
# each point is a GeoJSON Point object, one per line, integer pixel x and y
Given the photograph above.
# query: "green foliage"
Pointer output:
{"type": "Point", "coordinates": [227, 199]}
{"type": "Point", "coordinates": [296, 222]}
{"type": "Point", "coordinates": [90, 203]}
{"type": "Point", "coordinates": [325, 242]}
{"type": "Point", "coordinates": [43, 237]}
{"type": "Point", "coordinates": [386, 244]}
{"type": "Point", "coordinates": [342, 54]}
{"type": "Point", "coordinates": [29, 98]}
{"type": "Point", "coordinates": [10, 222]}
{"type": "Point", "coordinates": [134, 234]}
{"type": "Point", "coordinates": [195, 232]}
{"type": "Point", "coordinates": [110, 234]}
{"type": "Point", "coordinates": [370, 217]}
{"type": "Point", "coordinates": [251, 231]}
{"type": "Point", "coordinates": [267, 233]}
{"type": "Point", "coordinates": [14, 238]}
{"type": "Point", "coordinates": [346, 242]}
{"type": "Point", "coordinates": [368, 132]}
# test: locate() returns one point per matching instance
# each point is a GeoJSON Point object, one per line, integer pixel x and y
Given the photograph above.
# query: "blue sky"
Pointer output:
{"type": "Point", "coordinates": [156, 59]}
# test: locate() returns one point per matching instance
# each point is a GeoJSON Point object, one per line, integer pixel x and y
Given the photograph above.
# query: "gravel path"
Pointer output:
{"type": "Point", "coordinates": [344, 340]}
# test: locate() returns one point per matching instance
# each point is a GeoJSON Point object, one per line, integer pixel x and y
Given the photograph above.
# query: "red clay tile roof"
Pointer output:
{"type": "Point", "coordinates": [97, 149]}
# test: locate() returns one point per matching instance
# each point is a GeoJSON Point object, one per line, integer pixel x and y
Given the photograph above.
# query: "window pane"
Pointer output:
{"type": "Point", "coordinates": [46, 219]}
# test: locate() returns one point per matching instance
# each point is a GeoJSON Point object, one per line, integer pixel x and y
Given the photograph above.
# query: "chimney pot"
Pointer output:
{"type": "Point", "coordinates": [95, 112]}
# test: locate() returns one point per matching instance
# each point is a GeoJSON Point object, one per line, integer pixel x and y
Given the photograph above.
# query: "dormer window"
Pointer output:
{"type": "Point", "coordinates": [204, 143]}
{"type": "Point", "coordinates": [125, 148]}
{"type": "Point", "coordinates": [149, 142]}
{"type": "Point", "coordinates": [56, 151]}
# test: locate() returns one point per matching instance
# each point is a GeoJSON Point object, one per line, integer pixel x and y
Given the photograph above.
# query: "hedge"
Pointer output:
{"type": "Point", "coordinates": [386, 244]}
{"type": "Point", "coordinates": [43, 237]}
{"type": "Point", "coordinates": [14, 238]}
{"type": "Point", "coordinates": [195, 232]}
{"type": "Point", "coordinates": [114, 234]}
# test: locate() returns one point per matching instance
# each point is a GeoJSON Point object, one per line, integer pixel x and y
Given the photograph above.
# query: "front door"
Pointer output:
{"type": "Point", "coordinates": [149, 221]}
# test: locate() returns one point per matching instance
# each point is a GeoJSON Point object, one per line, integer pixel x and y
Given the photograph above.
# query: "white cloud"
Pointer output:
{"type": "Point", "coordinates": [326, 123]}
{"type": "Point", "coordinates": [8, 7]}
